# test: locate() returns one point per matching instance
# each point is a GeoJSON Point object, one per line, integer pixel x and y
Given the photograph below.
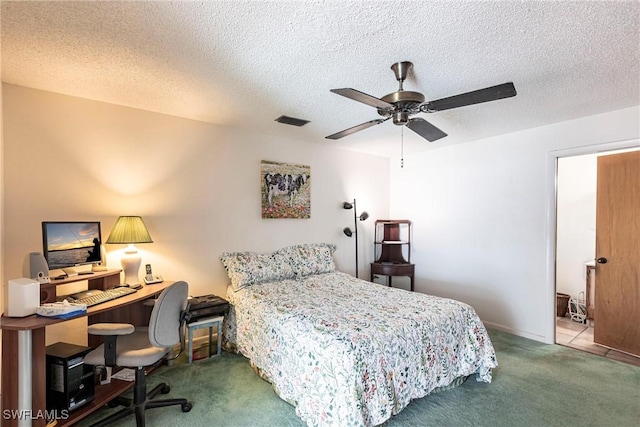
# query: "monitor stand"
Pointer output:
{"type": "Point", "coordinates": [70, 271]}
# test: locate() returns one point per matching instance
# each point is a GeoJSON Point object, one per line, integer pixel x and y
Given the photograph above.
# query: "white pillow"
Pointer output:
{"type": "Point", "coordinates": [310, 258]}
{"type": "Point", "coordinates": [249, 268]}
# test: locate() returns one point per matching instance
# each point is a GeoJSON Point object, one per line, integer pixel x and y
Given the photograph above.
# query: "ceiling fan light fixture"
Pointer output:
{"type": "Point", "coordinates": [400, 118]}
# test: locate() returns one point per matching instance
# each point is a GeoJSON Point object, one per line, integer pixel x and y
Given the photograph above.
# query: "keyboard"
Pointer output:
{"type": "Point", "coordinates": [96, 296]}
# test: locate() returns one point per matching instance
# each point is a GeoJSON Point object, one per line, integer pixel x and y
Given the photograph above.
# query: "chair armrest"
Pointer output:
{"type": "Point", "coordinates": [111, 329]}
{"type": "Point", "coordinates": [110, 332]}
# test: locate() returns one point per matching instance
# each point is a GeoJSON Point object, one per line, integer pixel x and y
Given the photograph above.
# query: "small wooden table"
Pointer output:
{"type": "Point", "coordinates": [392, 269]}
{"type": "Point", "coordinates": [392, 240]}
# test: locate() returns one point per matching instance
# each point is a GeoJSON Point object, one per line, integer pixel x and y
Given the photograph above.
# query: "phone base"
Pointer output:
{"type": "Point", "coordinates": [153, 279]}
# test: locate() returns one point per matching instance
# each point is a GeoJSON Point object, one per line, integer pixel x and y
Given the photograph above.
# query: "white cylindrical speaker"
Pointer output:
{"type": "Point", "coordinates": [23, 297]}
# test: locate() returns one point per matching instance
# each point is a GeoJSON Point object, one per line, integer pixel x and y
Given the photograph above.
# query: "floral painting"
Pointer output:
{"type": "Point", "coordinates": [286, 190]}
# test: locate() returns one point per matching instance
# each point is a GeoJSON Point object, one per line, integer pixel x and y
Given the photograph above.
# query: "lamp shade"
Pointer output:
{"type": "Point", "coordinates": [129, 230]}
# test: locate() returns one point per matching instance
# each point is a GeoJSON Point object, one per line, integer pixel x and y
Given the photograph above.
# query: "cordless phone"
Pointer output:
{"type": "Point", "coordinates": [149, 278]}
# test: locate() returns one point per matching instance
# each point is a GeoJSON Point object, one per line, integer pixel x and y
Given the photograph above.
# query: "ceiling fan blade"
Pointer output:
{"type": "Point", "coordinates": [355, 129]}
{"type": "Point", "coordinates": [505, 90]}
{"type": "Point", "coordinates": [356, 95]}
{"type": "Point", "coordinates": [425, 129]}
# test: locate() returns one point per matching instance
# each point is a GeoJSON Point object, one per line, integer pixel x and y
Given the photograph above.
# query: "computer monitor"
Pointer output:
{"type": "Point", "coordinates": [67, 244]}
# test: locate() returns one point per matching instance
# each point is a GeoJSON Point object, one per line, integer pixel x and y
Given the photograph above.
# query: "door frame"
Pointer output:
{"type": "Point", "coordinates": [551, 213]}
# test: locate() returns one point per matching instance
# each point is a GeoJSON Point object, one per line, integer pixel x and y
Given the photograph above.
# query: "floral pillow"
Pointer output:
{"type": "Point", "coordinates": [249, 268]}
{"type": "Point", "coordinates": [310, 258]}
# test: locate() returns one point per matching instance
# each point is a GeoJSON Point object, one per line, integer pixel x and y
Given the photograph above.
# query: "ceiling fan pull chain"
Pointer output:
{"type": "Point", "coordinates": [402, 147]}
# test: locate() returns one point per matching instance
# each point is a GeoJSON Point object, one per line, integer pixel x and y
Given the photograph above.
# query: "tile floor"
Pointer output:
{"type": "Point", "coordinates": [580, 336]}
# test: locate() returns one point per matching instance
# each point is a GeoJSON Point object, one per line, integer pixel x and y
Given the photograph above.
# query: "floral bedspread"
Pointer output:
{"type": "Point", "coordinates": [347, 352]}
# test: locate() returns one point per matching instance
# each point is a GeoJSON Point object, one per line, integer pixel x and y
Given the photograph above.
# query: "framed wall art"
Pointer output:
{"type": "Point", "coordinates": [286, 190]}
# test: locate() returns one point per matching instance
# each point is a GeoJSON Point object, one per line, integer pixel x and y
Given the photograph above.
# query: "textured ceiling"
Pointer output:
{"type": "Point", "coordinates": [244, 63]}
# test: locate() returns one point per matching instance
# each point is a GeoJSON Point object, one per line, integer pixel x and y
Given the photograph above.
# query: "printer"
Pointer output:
{"type": "Point", "coordinates": [207, 306]}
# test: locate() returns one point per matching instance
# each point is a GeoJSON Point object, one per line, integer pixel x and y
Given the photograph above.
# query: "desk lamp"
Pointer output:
{"type": "Point", "coordinates": [349, 232]}
{"type": "Point", "coordinates": [130, 230]}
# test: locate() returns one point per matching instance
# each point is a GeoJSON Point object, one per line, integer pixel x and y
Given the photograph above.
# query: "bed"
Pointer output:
{"type": "Point", "coordinates": [343, 351]}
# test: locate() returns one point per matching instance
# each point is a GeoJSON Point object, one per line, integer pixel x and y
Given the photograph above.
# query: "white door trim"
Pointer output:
{"type": "Point", "coordinates": [551, 221]}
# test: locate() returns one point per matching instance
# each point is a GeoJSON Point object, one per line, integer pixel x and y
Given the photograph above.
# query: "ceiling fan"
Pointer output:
{"type": "Point", "coordinates": [403, 104]}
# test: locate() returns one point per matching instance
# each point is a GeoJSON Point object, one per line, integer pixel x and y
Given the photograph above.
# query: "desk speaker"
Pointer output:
{"type": "Point", "coordinates": [23, 297]}
{"type": "Point", "coordinates": [36, 267]}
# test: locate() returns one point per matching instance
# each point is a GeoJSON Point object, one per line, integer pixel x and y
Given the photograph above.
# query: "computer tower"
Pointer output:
{"type": "Point", "coordinates": [70, 383]}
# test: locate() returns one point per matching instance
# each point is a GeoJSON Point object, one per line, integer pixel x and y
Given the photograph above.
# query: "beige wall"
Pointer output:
{"type": "Point", "coordinates": [197, 185]}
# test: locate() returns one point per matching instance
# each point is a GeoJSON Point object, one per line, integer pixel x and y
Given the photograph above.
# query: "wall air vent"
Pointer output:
{"type": "Point", "coordinates": [291, 121]}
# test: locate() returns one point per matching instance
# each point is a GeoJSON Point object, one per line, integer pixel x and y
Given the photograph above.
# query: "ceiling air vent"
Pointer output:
{"type": "Point", "coordinates": [291, 121]}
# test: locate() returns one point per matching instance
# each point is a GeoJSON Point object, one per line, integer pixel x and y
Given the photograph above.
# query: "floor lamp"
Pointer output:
{"type": "Point", "coordinates": [348, 231]}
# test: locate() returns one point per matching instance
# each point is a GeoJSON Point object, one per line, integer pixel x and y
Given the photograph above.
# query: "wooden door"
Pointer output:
{"type": "Point", "coordinates": [617, 293]}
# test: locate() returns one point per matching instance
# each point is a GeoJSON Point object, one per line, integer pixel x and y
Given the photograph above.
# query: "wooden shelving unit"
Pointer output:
{"type": "Point", "coordinates": [392, 240]}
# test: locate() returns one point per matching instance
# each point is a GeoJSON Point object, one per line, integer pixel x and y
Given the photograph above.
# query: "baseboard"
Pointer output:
{"type": "Point", "coordinates": [509, 330]}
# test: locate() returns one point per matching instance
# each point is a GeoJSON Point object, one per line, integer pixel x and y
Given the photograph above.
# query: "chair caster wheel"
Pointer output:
{"type": "Point", "coordinates": [186, 407]}
{"type": "Point", "coordinates": [166, 389]}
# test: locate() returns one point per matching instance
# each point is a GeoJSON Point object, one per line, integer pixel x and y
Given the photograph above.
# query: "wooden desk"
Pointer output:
{"type": "Point", "coordinates": [24, 352]}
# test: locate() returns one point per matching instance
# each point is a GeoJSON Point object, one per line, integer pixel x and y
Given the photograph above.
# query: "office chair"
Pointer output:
{"type": "Point", "coordinates": [131, 347]}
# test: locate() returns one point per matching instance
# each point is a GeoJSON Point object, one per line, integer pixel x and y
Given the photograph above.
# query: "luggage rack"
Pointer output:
{"type": "Point", "coordinates": [578, 308]}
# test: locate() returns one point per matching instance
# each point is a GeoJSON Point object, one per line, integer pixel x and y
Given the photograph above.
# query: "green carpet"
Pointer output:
{"type": "Point", "coordinates": [535, 385]}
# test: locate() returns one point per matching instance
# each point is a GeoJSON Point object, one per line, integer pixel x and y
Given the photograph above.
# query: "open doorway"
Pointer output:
{"type": "Point", "coordinates": [575, 253]}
